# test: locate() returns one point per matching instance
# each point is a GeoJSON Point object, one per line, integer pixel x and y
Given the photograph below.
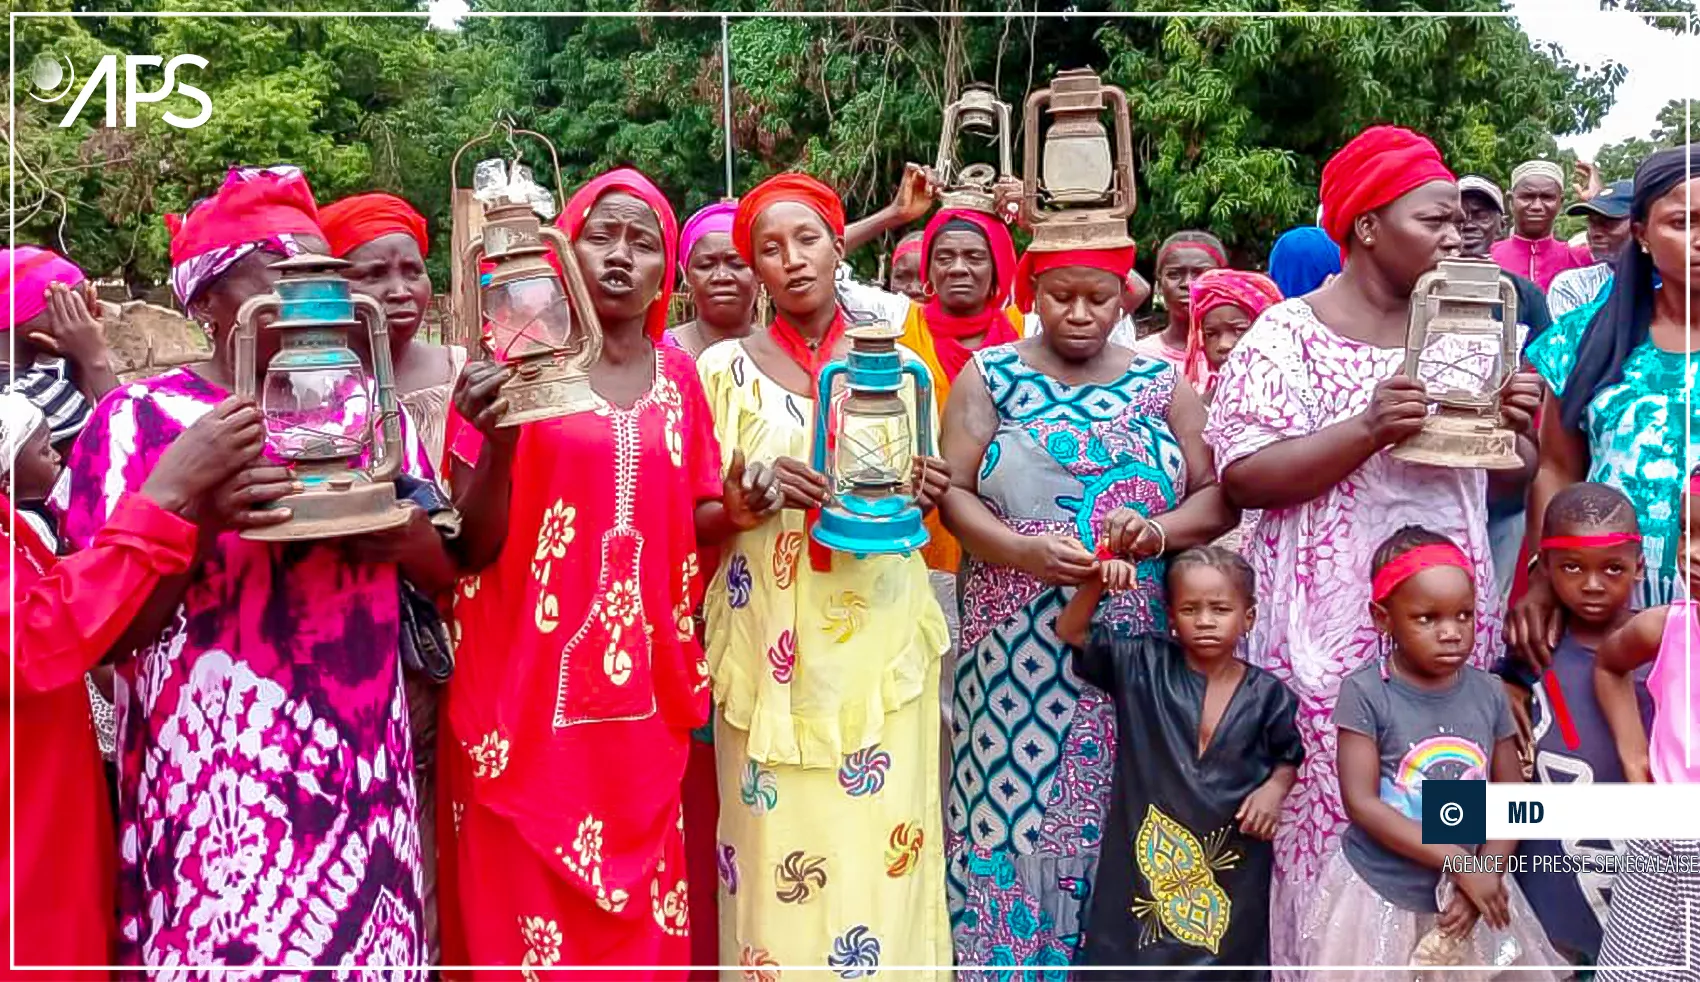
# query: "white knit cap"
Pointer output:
{"type": "Point", "coordinates": [1537, 168]}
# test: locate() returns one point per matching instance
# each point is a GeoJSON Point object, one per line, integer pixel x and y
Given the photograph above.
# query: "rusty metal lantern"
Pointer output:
{"type": "Point", "coordinates": [1084, 192]}
{"type": "Point", "coordinates": [523, 312]}
{"type": "Point", "coordinates": [980, 112]}
{"type": "Point", "coordinates": [316, 400]}
{"type": "Point", "coordinates": [1464, 356]}
{"type": "Point", "coordinates": [530, 323]}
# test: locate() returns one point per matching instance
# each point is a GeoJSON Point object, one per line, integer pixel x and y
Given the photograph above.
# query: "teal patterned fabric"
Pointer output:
{"type": "Point", "coordinates": [1637, 432]}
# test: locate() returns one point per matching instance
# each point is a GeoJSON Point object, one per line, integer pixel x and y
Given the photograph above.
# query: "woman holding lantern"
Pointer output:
{"type": "Point", "coordinates": [825, 666]}
{"type": "Point", "coordinates": [1055, 442]}
{"type": "Point", "coordinates": [579, 677]}
{"type": "Point", "coordinates": [1304, 411]}
{"type": "Point", "coordinates": [267, 808]}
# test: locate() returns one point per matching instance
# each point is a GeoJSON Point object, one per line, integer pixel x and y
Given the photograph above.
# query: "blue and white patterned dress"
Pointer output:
{"type": "Point", "coordinates": [1032, 751]}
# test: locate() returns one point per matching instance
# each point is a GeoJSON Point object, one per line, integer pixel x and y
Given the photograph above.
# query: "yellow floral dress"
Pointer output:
{"type": "Point", "coordinates": [826, 728]}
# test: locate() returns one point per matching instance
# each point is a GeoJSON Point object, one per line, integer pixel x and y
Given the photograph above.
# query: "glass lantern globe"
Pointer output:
{"type": "Point", "coordinates": [319, 411]}
{"type": "Point", "coordinates": [529, 317]}
{"type": "Point", "coordinates": [874, 447]}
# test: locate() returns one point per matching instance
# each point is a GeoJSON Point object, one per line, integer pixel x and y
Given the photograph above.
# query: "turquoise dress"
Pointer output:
{"type": "Point", "coordinates": [1637, 438]}
{"type": "Point", "coordinates": [1032, 749]}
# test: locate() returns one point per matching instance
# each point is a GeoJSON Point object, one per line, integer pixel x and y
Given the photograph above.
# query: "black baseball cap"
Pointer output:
{"type": "Point", "coordinates": [1612, 202]}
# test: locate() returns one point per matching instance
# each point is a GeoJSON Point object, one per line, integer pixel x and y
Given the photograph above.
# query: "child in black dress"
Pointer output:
{"type": "Point", "coordinates": [1207, 750]}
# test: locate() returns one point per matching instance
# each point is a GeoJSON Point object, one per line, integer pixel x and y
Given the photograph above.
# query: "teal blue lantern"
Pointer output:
{"type": "Point", "coordinates": [872, 446]}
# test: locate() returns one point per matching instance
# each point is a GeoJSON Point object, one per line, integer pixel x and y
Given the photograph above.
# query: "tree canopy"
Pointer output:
{"type": "Point", "coordinates": [1233, 117]}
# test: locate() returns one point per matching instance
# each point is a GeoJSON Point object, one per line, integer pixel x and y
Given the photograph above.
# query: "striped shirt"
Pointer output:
{"type": "Point", "coordinates": [48, 384]}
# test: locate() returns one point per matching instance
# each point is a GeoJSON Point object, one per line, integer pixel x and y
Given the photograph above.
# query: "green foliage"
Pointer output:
{"type": "Point", "coordinates": [1618, 161]}
{"type": "Point", "coordinates": [1232, 116]}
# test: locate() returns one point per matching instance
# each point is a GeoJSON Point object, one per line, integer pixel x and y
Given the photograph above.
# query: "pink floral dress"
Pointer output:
{"type": "Point", "coordinates": [1290, 377]}
{"type": "Point", "coordinates": [266, 805]}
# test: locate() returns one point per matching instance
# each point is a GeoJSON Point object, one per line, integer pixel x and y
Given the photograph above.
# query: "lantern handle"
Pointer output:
{"type": "Point", "coordinates": [388, 466]}
{"type": "Point", "coordinates": [505, 124]}
{"type": "Point", "coordinates": [1416, 330]}
{"type": "Point", "coordinates": [1125, 190]}
{"type": "Point", "coordinates": [1030, 156]}
{"type": "Point", "coordinates": [469, 334]}
{"type": "Point", "coordinates": [915, 369]}
{"type": "Point", "coordinates": [1508, 353]}
{"type": "Point", "coordinates": [823, 414]}
{"type": "Point", "coordinates": [247, 338]}
{"type": "Point", "coordinates": [562, 245]}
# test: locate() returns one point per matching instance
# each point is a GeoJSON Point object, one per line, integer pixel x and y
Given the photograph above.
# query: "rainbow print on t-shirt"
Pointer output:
{"type": "Point", "coordinates": [1444, 756]}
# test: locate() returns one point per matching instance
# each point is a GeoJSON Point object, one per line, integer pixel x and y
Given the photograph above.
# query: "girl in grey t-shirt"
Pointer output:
{"type": "Point", "coordinates": [1420, 712]}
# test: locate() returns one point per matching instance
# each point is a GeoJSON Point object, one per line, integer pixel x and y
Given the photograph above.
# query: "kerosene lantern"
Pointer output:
{"type": "Point", "coordinates": [529, 324]}
{"type": "Point", "coordinates": [527, 315]}
{"type": "Point", "coordinates": [1463, 355]}
{"type": "Point", "coordinates": [979, 112]}
{"type": "Point", "coordinates": [316, 399]}
{"type": "Point", "coordinates": [1084, 194]}
{"type": "Point", "coordinates": [872, 446]}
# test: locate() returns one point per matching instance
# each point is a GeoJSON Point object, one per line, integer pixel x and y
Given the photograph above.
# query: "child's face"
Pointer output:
{"type": "Point", "coordinates": [1220, 330]}
{"type": "Point", "coordinates": [1431, 618]}
{"type": "Point", "coordinates": [37, 468]}
{"type": "Point", "coordinates": [1209, 612]}
{"type": "Point", "coordinates": [1593, 584]}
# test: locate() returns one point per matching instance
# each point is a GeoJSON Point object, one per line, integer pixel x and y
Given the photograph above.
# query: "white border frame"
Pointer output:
{"type": "Point", "coordinates": [11, 591]}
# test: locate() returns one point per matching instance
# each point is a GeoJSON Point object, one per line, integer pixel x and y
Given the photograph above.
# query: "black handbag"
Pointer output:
{"type": "Point", "coordinates": [425, 646]}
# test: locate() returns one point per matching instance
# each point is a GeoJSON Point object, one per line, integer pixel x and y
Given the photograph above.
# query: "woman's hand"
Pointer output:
{"type": "Point", "coordinates": [1520, 401]}
{"type": "Point", "coordinates": [1487, 892]}
{"type": "Point", "coordinates": [1536, 621]}
{"type": "Point", "coordinates": [240, 502]}
{"type": "Point", "coordinates": [1396, 411]}
{"type": "Point", "coordinates": [1057, 559]}
{"type": "Point", "coordinates": [74, 330]}
{"type": "Point", "coordinates": [1007, 193]}
{"type": "Point", "coordinates": [750, 493]}
{"type": "Point", "coordinates": [1128, 533]}
{"type": "Point", "coordinates": [915, 193]}
{"type": "Point", "coordinates": [801, 486]}
{"type": "Point", "coordinates": [930, 477]}
{"type": "Point", "coordinates": [478, 399]}
{"type": "Point", "coordinates": [205, 455]}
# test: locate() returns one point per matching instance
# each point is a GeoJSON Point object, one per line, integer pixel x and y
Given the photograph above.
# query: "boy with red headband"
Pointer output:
{"type": "Point", "coordinates": [1591, 551]}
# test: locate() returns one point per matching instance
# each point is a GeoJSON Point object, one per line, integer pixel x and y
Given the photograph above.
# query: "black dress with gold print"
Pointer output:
{"type": "Point", "coordinates": [1178, 883]}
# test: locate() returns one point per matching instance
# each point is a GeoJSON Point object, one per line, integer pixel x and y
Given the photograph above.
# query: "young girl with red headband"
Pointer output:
{"type": "Point", "coordinates": [1590, 550]}
{"type": "Point", "coordinates": [1419, 712]}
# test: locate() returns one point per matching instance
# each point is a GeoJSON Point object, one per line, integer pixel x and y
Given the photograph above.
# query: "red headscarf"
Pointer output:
{"type": "Point", "coordinates": [358, 219]}
{"type": "Point", "coordinates": [792, 186]}
{"type": "Point", "coordinates": [907, 246]}
{"type": "Point", "coordinates": [1379, 165]}
{"type": "Point", "coordinates": [1116, 261]}
{"type": "Point", "coordinates": [824, 202]}
{"type": "Point", "coordinates": [947, 329]}
{"type": "Point", "coordinates": [635, 184]}
{"type": "Point", "coordinates": [253, 205]}
{"type": "Point", "coordinates": [1251, 292]}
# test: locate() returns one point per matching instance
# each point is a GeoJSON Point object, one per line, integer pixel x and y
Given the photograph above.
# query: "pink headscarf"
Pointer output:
{"type": "Point", "coordinates": [25, 274]}
{"type": "Point", "coordinates": [1251, 292]}
{"type": "Point", "coordinates": [636, 184]}
{"type": "Point", "coordinates": [256, 208]}
{"type": "Point", "coordinates": [714, 218]}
